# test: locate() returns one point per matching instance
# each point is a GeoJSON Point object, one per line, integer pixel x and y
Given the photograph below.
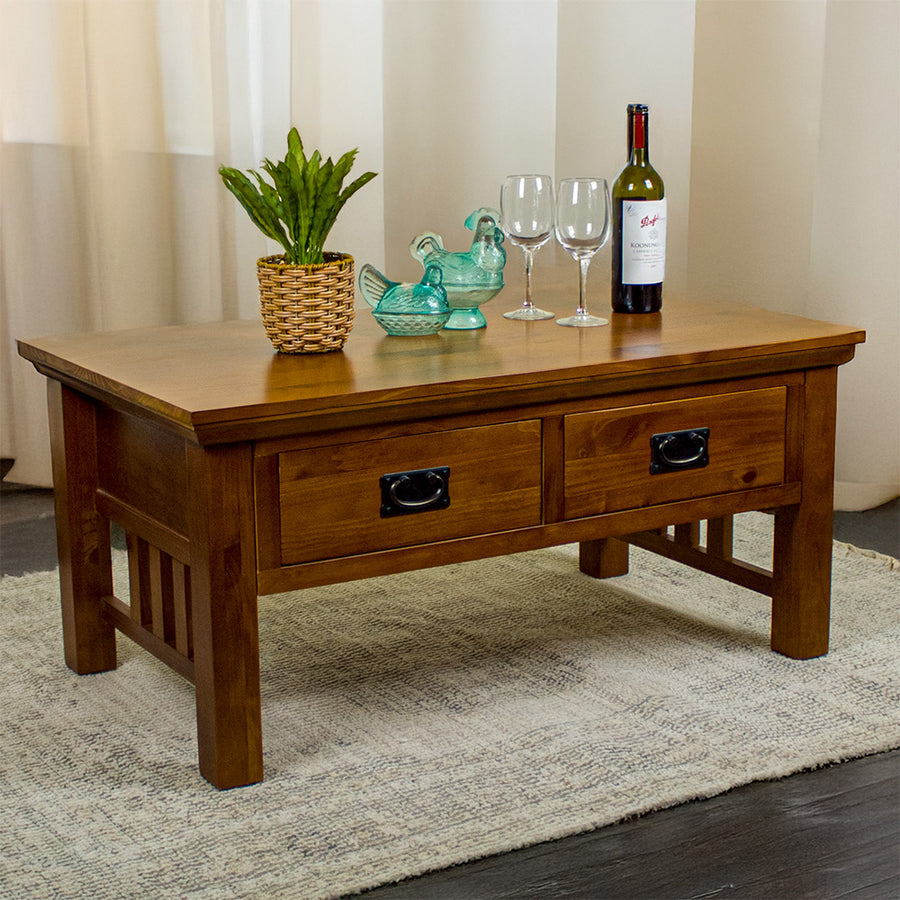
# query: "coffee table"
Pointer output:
{"type": "Point", "coordinates": [236, 471]}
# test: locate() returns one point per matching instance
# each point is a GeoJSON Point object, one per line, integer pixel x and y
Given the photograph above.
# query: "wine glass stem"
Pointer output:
{"type": "Point", "coordinates": [583, 263]}
{"type": "Point", "coordinates": [529, 259]}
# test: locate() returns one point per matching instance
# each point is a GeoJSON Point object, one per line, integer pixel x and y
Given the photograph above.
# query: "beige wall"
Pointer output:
{"type": "Point", "coordinates": [599, 73]}
{"type": "Point", "coordinates": [855, 239]}
{"type": "Point", "coordinates": [795, 164]}
{"type": "Point", "coordinates": [757, 88]}
{"type": "Point", "coordinates": [469, 97]}
{"type": "Point", "coordinates": [339, 99]}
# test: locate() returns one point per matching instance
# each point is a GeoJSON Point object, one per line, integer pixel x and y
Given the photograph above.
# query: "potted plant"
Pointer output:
{"type": "Point", "coordinates": [306, 293]}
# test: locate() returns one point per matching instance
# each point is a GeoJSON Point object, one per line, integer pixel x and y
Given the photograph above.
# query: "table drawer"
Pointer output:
{"type": "Point", "coordinates": [333, 501]}
{"type": "Point", "coordinates": [625, 458]}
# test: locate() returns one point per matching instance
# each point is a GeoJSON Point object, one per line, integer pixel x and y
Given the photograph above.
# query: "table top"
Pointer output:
{"type": "Point", "coordinates": [224, 381]}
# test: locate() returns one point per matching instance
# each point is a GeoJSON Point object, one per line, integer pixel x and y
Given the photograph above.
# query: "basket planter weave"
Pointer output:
{"type": "Point", "coordinates": [306, 309]}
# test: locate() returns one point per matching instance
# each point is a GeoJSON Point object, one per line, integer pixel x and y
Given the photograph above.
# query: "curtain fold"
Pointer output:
{"type": "Point", "coordinates": [116, 115]}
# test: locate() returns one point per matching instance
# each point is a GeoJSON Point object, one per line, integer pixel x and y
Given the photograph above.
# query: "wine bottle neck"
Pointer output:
{"type": "Point", "coordinates": [638, 137]}
{"type": "Point", "coordinates": [639, 157]}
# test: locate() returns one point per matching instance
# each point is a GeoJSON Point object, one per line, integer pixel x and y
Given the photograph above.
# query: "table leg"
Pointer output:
{"type": "Point", "coordinates": [224, 612]}
{"type": "Point", "coordinates": [801, 587]}
{"type": "Point", "coordinates": [82, 534]}
{"type": "Point", "coordinates": [604, 558]}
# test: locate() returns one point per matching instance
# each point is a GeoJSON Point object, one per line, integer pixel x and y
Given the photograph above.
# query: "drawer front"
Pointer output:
{"type": "Point", "coordinates": [332, 498]}
{"type": "Point", "coordinates": [619, 458]}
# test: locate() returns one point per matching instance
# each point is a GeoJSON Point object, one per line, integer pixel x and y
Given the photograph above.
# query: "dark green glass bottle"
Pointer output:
{"type": "Point", "coordinates": [639, 225]}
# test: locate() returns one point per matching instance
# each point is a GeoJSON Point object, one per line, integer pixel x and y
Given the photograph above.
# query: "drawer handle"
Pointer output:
{"type": "Point", "coordinates": [403, 493]}
{"type": "Point", "coordinates": [677, 450]}
{"type": "Point", "coordinates": [405, 483]}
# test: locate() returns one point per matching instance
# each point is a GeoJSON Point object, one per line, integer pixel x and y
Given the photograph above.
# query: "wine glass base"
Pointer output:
{"type": "Point", "coordinates": [583, 320]}
{"type": "Point", "coordinates": [528, 314]}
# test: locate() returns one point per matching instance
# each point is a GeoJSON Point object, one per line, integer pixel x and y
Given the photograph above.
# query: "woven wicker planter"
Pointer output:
{"type": "Point", "coordinates": [306, 309]}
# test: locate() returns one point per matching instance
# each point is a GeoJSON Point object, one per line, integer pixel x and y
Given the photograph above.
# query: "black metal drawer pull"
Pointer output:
{"type": "Point", "coordinates": [421, 490]}
{"type": "Point", "coordinates": [674, 451]}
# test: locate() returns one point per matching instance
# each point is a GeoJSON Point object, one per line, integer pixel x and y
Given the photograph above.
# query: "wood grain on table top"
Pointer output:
{"type": "Point", "coordinates": [200, 374]}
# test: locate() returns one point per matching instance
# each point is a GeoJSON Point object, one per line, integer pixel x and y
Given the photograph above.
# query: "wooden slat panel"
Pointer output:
{"type": "Point", "coordinates": [738, 572]}
{"type": "Point", "coordinates": [139, 580]}
{"type": "Point", "coordinates": [161, 594]}
{"type": "Point", "coordinates": [134, 521]}
{"type": "Point", "coordinates": [720, 537]}
{"type": "Point", "coordinates": [119, 614]}
{"type": "Point", "coordinates": [688, 533]}
{"type": "Point", "coordinates": [181, 588]}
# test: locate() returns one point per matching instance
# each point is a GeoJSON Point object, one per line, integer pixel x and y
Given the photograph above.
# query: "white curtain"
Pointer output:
{"type": "Point", "coordinates": [774, 124]}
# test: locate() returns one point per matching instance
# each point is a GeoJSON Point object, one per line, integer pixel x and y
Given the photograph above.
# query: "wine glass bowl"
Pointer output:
{"type": "Point", "coordinates": [526, 213]}
{"type": "Point", "coordinates": [582, 228]}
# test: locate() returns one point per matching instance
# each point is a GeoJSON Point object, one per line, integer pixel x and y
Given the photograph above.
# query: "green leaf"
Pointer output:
{"type": "Point", "coordinates": [310, 187]}
{"type": "Point", "coordinates": [286, 196]}
{"type": "Point", "coordinates": [351, 189]}
{"type": "Point", "coordinates": [327, 192]}
{"type": "Point", "coordinates": [295, 147]}
{"type": "Point", "coordinates": [291, 187]}
{"type": "Point", "coordinates": [356, 185]}
{"type": "Point", "coordinates": [304, 196]}
{"type": "Point", "coordinates": [344, 165]}
{"type": "Point", "coordinates": [269, 195]}
{"type": "Point", "coordinates": [255, 205]}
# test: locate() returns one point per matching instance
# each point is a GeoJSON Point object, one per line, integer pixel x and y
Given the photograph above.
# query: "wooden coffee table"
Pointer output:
{"type": "Point", "coordinates": [236, 471]}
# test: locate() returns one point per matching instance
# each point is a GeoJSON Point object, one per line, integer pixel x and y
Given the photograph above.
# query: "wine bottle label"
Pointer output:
{"type": "Point", "coordinates": [643, 241]}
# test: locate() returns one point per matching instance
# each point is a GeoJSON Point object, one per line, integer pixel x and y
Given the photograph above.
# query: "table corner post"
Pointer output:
{"type": "Point", "coordinates": [222, 539]}
{"type": "Point", "coordinates": [801, 585]}
{"type": "Point", "coordinates": [82, 534]}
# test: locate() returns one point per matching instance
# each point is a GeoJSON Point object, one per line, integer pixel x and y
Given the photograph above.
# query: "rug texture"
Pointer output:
{"type": "Point", "coordinates": [420, 720]}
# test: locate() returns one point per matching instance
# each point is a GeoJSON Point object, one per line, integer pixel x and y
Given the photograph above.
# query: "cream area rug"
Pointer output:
{"type": "Point", "coordinates": [420, 720]}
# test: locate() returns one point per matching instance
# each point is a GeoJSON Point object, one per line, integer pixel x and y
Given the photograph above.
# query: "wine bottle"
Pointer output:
{"type": "Point", "coordinates": [639, 225]}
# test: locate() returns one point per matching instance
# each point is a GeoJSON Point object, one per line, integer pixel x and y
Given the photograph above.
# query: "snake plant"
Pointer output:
{"type": "Point", "coordinates": [302, 203]}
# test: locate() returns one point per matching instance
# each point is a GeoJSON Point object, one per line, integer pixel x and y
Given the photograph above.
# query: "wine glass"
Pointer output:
{"type": "Point", "coordinates": [582, 227]}
{"type": "Point", "coordinates": [526, 211]}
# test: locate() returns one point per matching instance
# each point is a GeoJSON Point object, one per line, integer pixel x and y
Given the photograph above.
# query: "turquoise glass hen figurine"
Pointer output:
{"type": "Point", "coordinates": [471, 277]}
{"type": "Point", "coordinates": [406, 309]}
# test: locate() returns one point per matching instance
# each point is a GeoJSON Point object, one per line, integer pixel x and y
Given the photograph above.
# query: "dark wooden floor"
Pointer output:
{"type": "Point", "coordinates": [833, 833]}
{"type": "Point", "coordinates": [826, 834]}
